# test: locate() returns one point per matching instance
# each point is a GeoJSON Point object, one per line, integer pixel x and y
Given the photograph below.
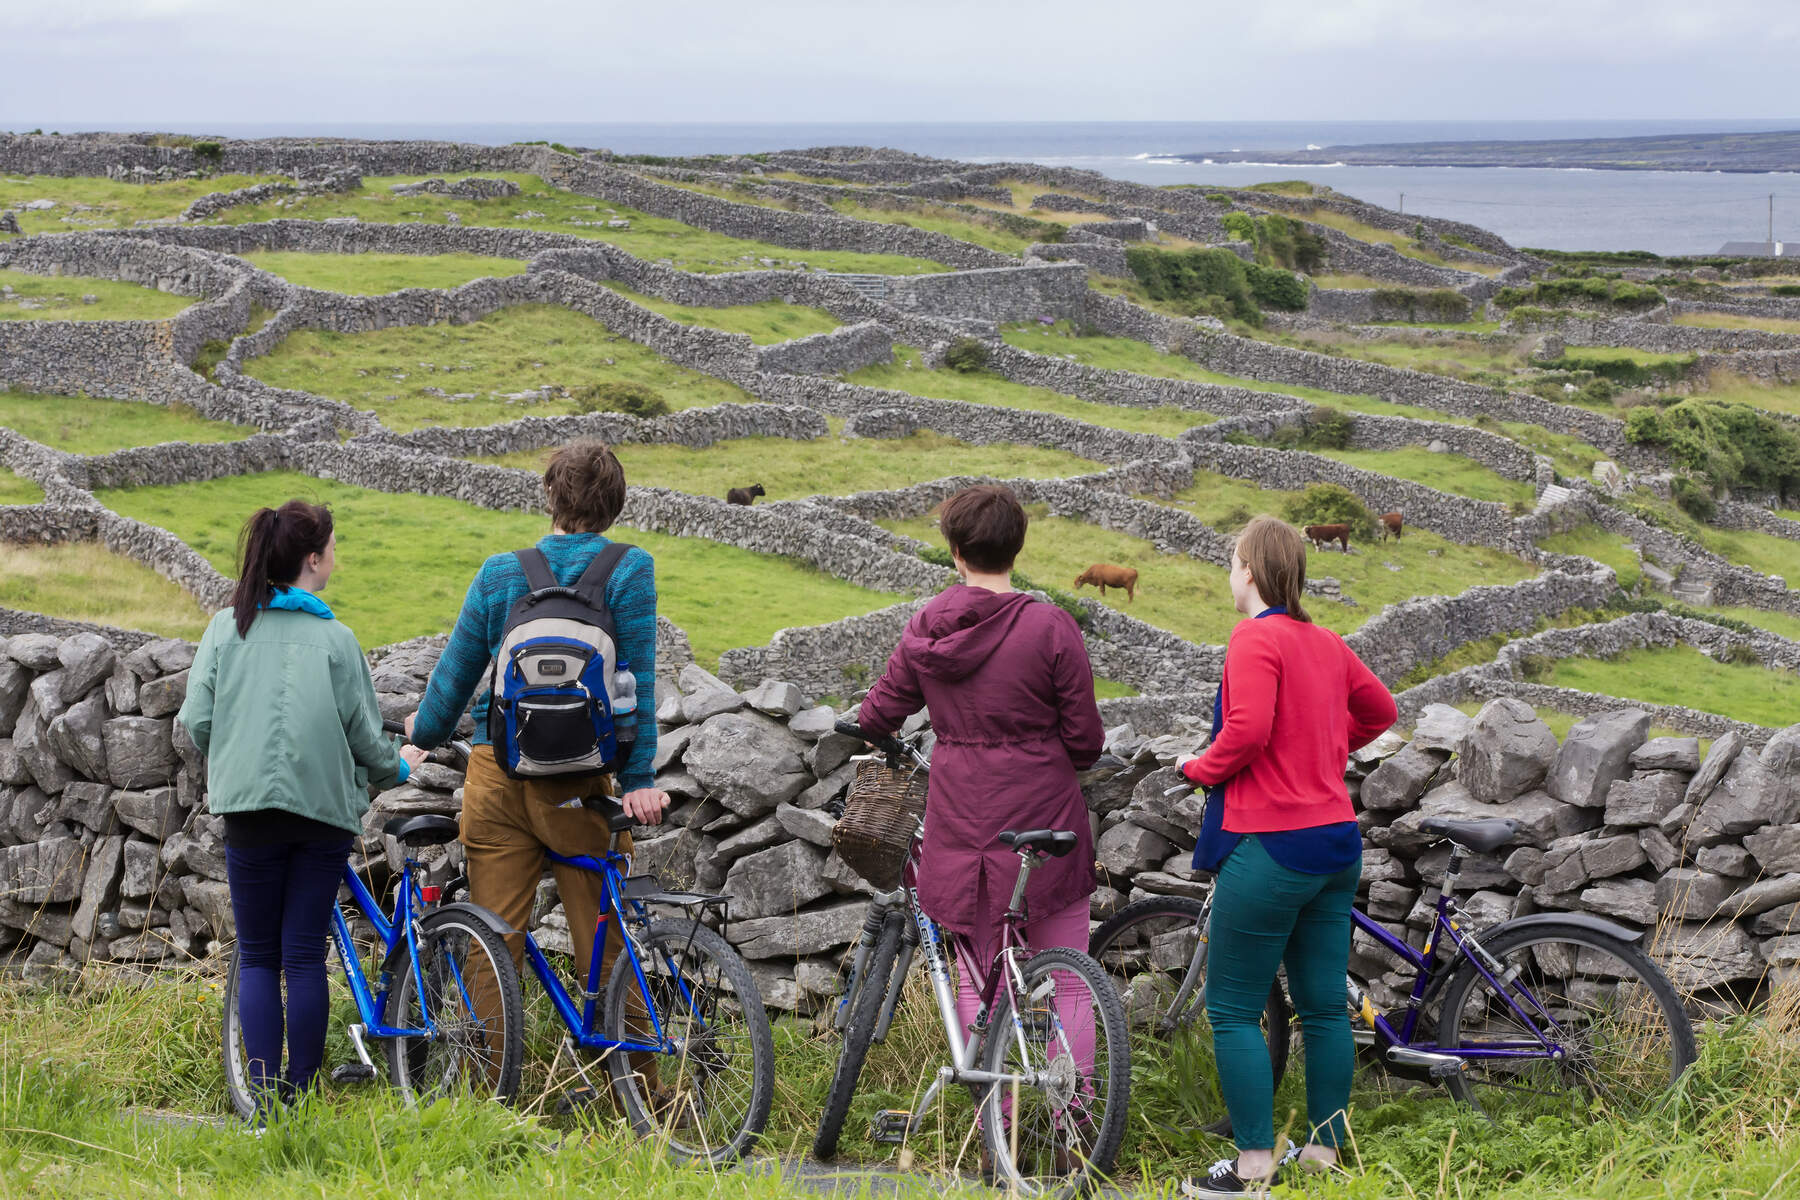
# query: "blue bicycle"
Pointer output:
{"type": "Point", "coordinates": [445, 994]}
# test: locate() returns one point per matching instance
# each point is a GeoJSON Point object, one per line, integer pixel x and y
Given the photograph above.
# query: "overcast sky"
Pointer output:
{"type": "Point", "coordinates": [171, 64]}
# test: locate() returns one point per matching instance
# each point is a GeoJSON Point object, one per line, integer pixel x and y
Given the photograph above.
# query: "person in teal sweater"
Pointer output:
{"type": "Point", "coordinates": [280, 701]}
{"type": "Point", "coordinates": [507, 823]}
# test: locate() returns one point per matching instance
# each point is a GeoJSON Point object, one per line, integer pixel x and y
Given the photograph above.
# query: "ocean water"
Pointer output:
{"type": "Point", "coordinates": [1670, 212]}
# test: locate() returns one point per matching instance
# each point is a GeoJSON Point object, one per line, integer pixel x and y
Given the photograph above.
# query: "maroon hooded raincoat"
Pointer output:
{"type": "Point", "coordinates": [1011, 696]}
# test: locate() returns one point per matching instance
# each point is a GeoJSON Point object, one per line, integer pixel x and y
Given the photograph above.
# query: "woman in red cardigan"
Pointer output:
{"type": "Point", "coordinates": [1281, 834]}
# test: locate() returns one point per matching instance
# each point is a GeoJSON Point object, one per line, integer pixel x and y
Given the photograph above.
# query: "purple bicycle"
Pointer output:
{"type": "Point", "coordinates": [1536, 1014]}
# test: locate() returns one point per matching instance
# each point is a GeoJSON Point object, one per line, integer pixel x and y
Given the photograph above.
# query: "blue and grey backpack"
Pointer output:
{"type": "Point", "coordinates": [564, 703]}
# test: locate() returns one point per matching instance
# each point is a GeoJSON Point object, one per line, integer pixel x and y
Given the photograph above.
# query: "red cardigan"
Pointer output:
{"type": "Point", "coordinates": [1296, 701]}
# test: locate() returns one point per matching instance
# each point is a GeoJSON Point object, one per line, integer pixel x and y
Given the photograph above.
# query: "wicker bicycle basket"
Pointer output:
{"type": "Point", "coordinates": [881, 816]}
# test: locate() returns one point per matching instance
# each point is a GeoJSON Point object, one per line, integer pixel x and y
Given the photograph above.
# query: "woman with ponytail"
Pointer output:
{"type": "Point", "coordinates": [1281, 835]}
{"type": "Point", "coordinates": [281, 703]}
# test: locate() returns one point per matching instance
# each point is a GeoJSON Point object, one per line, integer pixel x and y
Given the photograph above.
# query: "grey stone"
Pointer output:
{"type": "Point", "coordinates": [1712, 769]}
{"type": "Point", "coordinates": [1563, 869]}
{"type": "Point", "coordinates": [213, 900]}
{"type": "Point", "coordinates": [1629, 900]}
{"type": "Point", "coordinates": [1761, 896]}
{"type": "Point", "coordinates": [831, 751]}
{"type": "Point", "coordinates": [668, 708]}
{"type": "Point", "coordinates": [1710, 955]}
{"type": "Point", "coordinates": [1746, 798]}
{"type": "Point", "coordinates": [813, 723]}
{"type": "Point", "coordinates": [827, 789]}
{"type": "Point", "coordinates": [163, 697]}
{"type": "Point", "coordinates": [31, 740]}
{"type": "Point", "coordinates": [1667, 754]}
{"type": "Point", "coordinates": [46, 693]}
{"type": "Point", "coordinates": [89, 805]}
{"type": "Point", "coordinates": [1506, 752]}
{"type": "Point", "coordinates": [1399, 781]}
{"type": "Point", "coordinates": [758, 835]}
{"type": "Point", "coordinates": [1726, 860]}
{"type": "Point", "coordinates": [695, 678]}
{"type": "Point", "coordinates": [1596, 752]}
{"type": "Point", "coordinates": [1541, 817]}
{"type": "Point", "coordinates": [1527, 864]}
{"type": "Point", "coordinates": [143, 870]}
{"type": "Point", "coordinates": [1783, 957]}
{"type": "Point", "coordinates": [775, 698]}
{"type": "Point", "coordinates": [1105, 902]}
{"type": "Point", "coordinates": [670, 745]}
{"type": "Point", "coordinates": [1478, 870]}
{"type": "Point", "coordinates": [671, 857]}
{"type": "Point", "coordinates": [15, 685]}
{"type": "Point", "coordinates": [1675, 822]}
{"type": "Point", "coordinates": [1645, 798]}
{"type": "Point", "coordinates": [781, 879]}
{"type": "Point", "coordinates": [1782, 753]}
{"type": "Point", "coordinates": [1776, 848]}
{"type": "Point", "coordinates": [13, 770]}
{"type": "Point", "coordinates": [99, 886]}
{"type": "Point", "coordinates": [748, 762]}
{"type": "Point", "coordinates": [79, 737]}
{"type": "Point", "coordinates": [807, 824]}
{"type": "Point", "coordinates": [800, 934]}
{"type": "Point", "coordinates": [32, 811]}
{"type": "Point", "coordinates": [42, 872]}
{"type": "Point", "coordinates": [1390, 901]}
{"type": "Point", "coordinates": [189, 754]}
{"type": "Point", "coordinates": [38, 651]}
{"type": "Point", "coordinates": [49, 924]}
{"type": "Point", "coordinates": [1161, 883]}
{"type": "Point", "coordinates": [140, 752]}
{"type": "Point", "coordinates": [702, 705]}
{"type": "Point", "coordinates": [1367, 757]}
{"type": "Point", "coordinates": [1685, 894]}
{"type": "Point", "coordinates": [87, 659]}
{"type": "Point", "coordinates": [1109, 789]}
{"type": "Point", "coordinates": [1777, 922]}
{"type": "Point", "coordinates": [818, 977]}
{"type": "Point", "coordinates": [1605, 857]}
{"type": "Point", "coordinates": [157, 812]}
{"type": "Point", "coordinates": [1441, 727]}
{"type": "Point", "coordinates": [122, 691]}
{"type": "Point", "coordinates": [843, 880]}
{"type": "Point", "coordinates": [778, 988]}
{"type": "Point", "coordinates": [1126, 849]}
{"type": "Point", "coordinates": [171, 654]}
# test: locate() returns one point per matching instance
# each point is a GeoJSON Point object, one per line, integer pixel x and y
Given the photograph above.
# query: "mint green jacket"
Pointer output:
{"type": "Point", "coordinates": [287, 718]}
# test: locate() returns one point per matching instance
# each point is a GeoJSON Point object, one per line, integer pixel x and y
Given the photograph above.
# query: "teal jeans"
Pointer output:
{"type": "Point", "coordinates": [1264, 915]}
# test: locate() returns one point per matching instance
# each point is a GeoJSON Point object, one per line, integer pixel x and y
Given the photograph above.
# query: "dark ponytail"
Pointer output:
{"type": "Point", "coordinates": [272, 547]}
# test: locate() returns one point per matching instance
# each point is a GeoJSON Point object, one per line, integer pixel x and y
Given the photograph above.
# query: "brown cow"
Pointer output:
{"type": "Point", "coordinates": [1390, 524]}
{"type": "Point", "coordinates": [744, 495]}
{"type": "Point", "coordinates": [1105, 575]}
{"type": "Point", "coordinates": [1323, 535]}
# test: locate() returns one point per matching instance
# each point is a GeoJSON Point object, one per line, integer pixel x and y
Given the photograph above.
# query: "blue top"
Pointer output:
{"type": "Point", "coordinates": [292, 598]}
{"type": "Point", "coordinates": [463, 666]}
{"type": "Point", "coordinates": [1320, 850]}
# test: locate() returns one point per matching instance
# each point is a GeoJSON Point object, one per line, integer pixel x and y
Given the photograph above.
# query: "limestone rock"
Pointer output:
{"type": "Point", "coordinates": [1645, 798]}
{"type": "Point", "coordinates": [87, 659]}
{"type": "Point", "coordinates": [827, 789]}
{"type": "Point", "coordinates": [1709, 955]}
{"type": "Point", "coordinates": [1126, 849]}
{"type": "Point", "coordinates": [1733, 861]}
{"type": "Point", "coordinates": [702, 705]}
{"type": "Point", "coordinates": [1713, 768]}
{"type": "Point", "coordinates": [1441, 727]}
{"type": "Point", "coordinates": [1667, 754]}
{"type": "Point", "coordinates": [42, 872]}
{"type": "Point", "coordinates": [1689, 895]}
{"type": "Point", "coordinates": [1746, 798]}
{"type": "Point", "coordinates": [809, 825]}
{"type": "Point", "coordinates": [89, 805]}
{"type": "Point", "coordinates": [800, 934]}
{"type": "Point", "coordinates": [143, 870]}
{"type": "Point", "coordinates": [156, 812]}
{"type": "Point", "coordinates": [1762, 896]}
{"type": "Point", "coordinates": [15, 685]}
{"type": "Point", "coordinates": [758, 835]}
{"type": "Point", "coordinates": [1777, 922]}
{"type": "Point", "coordinates": [1776, 849]}
{"type": "Point", "coordinates": [748, 762]}
{"type": "Point", "coordinates": [30, 814]}
{"type": "Point", "coordinates": [31, 741]}
{"type": "Point", "coordinates": [37, 651]}
{"type": "Point", "coordinates": [774, 698]}
{"type": "Point", "coordinates": [79, 737]}
{"type": "Point", "coordinates": [695, 678]}
{"type": "Point", "coordinates": [670, 744]}
{"type": "Point", "coordinates": [1367, 758]}
{"type": "Point", "coordinates": [13, 771]}
{"type": "Point", "coordinates": [140, 752]}
{"type": "Point", "coordinates": [781, 879]}
{"type": "Point", "coordinates": [1541, 817]}
{"type": "Point", "coordinates": [831, 751]}
{"type": "Point", "coordinates": [99, 886]}
{"type": "Point", "coordinates": [1507, 751]}
{"type": "Point", "coordinates": [122, 690]}
{"type": "Point", "coordinates": [1605, 857]}
{"type": "Point", "coordinates": [1596, 752]}
{"type": "Point", "coordinates": [163, 697]}
{"type": "Point", "coordinates": [813, 723]}
{"type": "Point", "coordinates": [1630, 900]}
{"type": "Point", "coordinates": [1399, 781]}
{"type": "Point", "coordinates": [46, 693]}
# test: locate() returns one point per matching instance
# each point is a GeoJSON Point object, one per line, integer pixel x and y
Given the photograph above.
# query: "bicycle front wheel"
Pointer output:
{"type": "Point", "coordinates": [865, 1010]}
{"type": "Point", "coordinates": [468, 989]}
{"type": "Point", "coordinates": [710, 1098]}
{"type": "Point", "coordinates": [1058, 1129]}
{"type": "Point", "coordinates": [1620, 1034]}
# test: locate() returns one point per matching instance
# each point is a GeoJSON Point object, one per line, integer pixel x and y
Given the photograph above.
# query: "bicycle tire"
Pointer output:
{"type": "Point", "coordinates": [1146, 1026]}
{"type": "Point", "coordinates": [237, 1067]}
{"type": "Point", "coordinates": [1041, 1169]}
{"type": "Point", "coordinates": [1654, 996]}
{"type": "Point", "coordinates": [424, 1069]}
{"type": "Point", "coordinates": [865, 1011]}
{"type": "Point", "coordinates": [678, 1113]}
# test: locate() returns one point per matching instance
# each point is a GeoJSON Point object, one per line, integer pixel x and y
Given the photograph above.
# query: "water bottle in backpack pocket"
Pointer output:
{"type": "Point", "coordinates": [563, 701]}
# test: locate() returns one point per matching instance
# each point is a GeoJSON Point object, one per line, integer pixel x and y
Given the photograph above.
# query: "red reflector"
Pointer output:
{"type": "Point", "coordinates": [430, 893]}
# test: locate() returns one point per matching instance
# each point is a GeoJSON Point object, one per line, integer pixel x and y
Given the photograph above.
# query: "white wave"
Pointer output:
{"type": "Point", "coordinates": [1310, 146]}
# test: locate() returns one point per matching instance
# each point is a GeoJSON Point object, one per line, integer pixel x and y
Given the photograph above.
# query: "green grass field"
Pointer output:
{"type": "Point", "coordinates": [1684, 676]}
{"type": "Point", "coordinates": [1446, 472]}
{"type": "Point", "coordinates": [514, 350]}
{"type": "Point", "coordinates": [832, 466]}
{"type": "Point", "coordinates": [765, 322]}
{"type": "Point", "coordinates": [405, 561]}
{"type": "Point", "coordinates": [654, 238]}
{"type": "Point", "coordinates": [938, 219]}
{"type": "Point", "coordinates": [1709, 320]}
{"type": "Point", "coordinates": [16, 489]}
{"type": "Point", "coordinates": [59, 298]}
{"type": "Point", "coordinates": [1745, 389]}
{"type": "Point", "coordinates": [85, 425]}
{"type": "Point", "coordinates": [90, 202]}
{"type": "Point", "coordinates": [84, 581]}
{"type": "Point", "coordinates": [1601, 546]}
{"type": "Point", "coordinates": [907, 374]}
{"type": "Point", "coordinates": [374, 274]}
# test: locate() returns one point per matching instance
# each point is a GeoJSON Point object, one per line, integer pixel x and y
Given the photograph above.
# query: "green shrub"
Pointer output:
{"type": "Point", "coordinates": [1424, 304]}
{"type": "Point", "coordinates": [967, 355]}
{"type": "Point", "coordinates": [1200, 281]}
{"type": "Point", "coordinates": [1067, 601]}
{"type": "Point", "coordinates": [1240, 225]}
{"type": "Point", "coordinates": [1286, 243]}
{"type": "Point", "coordinates": [937, 556]}
{"type": "Point", "coordinates": [1330, 504]}
{"type": "Point", "coordinates": [209, 154]}
{"type": "Point", "coordinates": [1785, 289]}
{"type": "Point", "coordinates": [1564, 293]}
{"type": "Point", "coordinates": [1731, 444]}
{"type": "Point", "coordinates": [1536, 667]}
{"type": "Point", "coordinates": [1274, 288]}
{"type": "Point", "coordinates": [1743, 654]}
{"type": "Point", "coordinates": [1320, 429]}
{"type": "Point", "coordinates": [632, 399]}
{"type": "Point", "coordinates": [1627, 372]}
{"type": "Point", "coordinates": [1284, 187]}
{"type": "Point", "coordinates": [1693, 499]}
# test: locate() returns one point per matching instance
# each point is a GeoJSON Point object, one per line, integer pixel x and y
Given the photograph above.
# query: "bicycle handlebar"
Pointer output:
{"type": "Point", "coordinates": [457, 748]}
{"type": "Point", "coordinates": [886, 743]}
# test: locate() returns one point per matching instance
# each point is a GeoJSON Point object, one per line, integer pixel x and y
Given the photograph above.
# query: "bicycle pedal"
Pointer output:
{"type": "Point", "coordinates": [576, 1099]}
{"type": "Point", "coordinates": [353, 1072]}
{"type": "Point", "coordinates": [890, 1126]}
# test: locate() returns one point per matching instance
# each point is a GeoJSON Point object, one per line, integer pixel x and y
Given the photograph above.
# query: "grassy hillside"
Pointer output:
{"type": "Point", "coordinates": [60, 298]}
{"type": "Point", "coordinates": [85, 425]}
{"type": "Point", "coordinates": [374, 274]}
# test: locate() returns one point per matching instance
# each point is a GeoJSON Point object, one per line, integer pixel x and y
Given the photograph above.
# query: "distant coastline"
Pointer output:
{"type": "Point", "coordinates": [1738, 153]}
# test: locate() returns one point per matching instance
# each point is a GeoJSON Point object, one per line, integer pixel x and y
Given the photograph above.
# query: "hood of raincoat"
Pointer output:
{"type": "Point", "coordinates": [961, 629]}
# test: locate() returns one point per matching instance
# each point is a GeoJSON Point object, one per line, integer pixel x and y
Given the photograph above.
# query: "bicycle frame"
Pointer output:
{"type": "Point", "coordinates": [371, 1006]}
{"type": "Point", "coordinates": [580, 1023]}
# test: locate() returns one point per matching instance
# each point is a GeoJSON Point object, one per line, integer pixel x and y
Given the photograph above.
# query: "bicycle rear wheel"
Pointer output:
{"type": "Point", "coordinates": [239, 1088]}
{"type": "Point", "coordinates": [709, 1099]}
{"type": "Point", "coordinates": [470, 991]}
{"type": "Point", "coordinates": [1060, 1134]}
{"type": "Point", "coordinates": [1154, 951]}
{"type": "Point", "coordinates": [1623, 1032]}
{"type": "Point", "coordinates": [865, 1010]}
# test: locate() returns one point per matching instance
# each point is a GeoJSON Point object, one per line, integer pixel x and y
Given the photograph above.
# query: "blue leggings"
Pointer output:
{"type": "Point", "coordinates": [281, 898]}
{"type": "Point", "coordinates": [1264, 915]}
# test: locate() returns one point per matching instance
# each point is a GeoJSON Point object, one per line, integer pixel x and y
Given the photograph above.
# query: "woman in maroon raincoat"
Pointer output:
{"type": "Point", "coordinates": [1011, 695]}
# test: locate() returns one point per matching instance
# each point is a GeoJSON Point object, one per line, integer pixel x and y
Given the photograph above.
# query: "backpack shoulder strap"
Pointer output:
{"type": "Point", "coordinates": [538, 575]}
{"type": "Point", "coordinates": [592, 584]}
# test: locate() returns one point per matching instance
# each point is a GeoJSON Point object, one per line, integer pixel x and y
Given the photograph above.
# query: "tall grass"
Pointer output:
{"type": "Point", "coordinates": [84, 581]}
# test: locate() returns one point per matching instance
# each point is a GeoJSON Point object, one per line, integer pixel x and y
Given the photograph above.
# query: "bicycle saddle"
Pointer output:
{"type": "Point", "coordinates": [1483, 836]}
{"type": "Point", "coordinates": [1054, 842]}
{"type": "Point", "coordinates": [425, 829]}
